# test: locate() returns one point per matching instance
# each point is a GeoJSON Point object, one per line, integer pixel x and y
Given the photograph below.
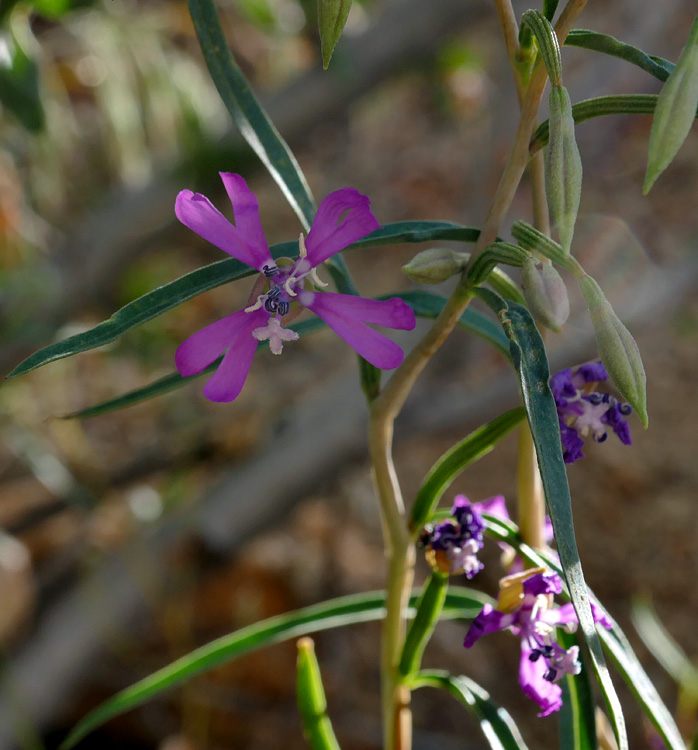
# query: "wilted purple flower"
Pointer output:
{"type": "Point", "coordinates": [452, 545]}
{"type": "Point", "coordinates": [525, 606]}
{"type": "Point", "coordinates": [342, 218]}
{"type": "Point", "coordinates": [581, 410]}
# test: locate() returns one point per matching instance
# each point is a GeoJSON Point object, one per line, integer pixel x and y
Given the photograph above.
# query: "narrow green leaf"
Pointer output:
{"type": "Point", "coordinates": [216, 274]}
{"type": "Point", "coordinates": [675, 112]}
{"type": "Point", "coordinates": [531, 362]}
{"type": "Point", "coordinates": [461, 603]}
{"type": "Point", "coordinates": [331, 17]}
{"type": "Point", "coordinates": [600, 106]}
{"type": "Point", "coordinates": [247, 113]}
{"type": "Point", "coordinates": [548, 43]}
{"type": "Point", "coordinates": [496, 724]}
{"type": "Point", "coordinates": [613, 640]}
{"type": "Point", "coordinates": [312, 704]}
{"type": "Point", "coordinates": [577, 715]}
{"type": "Point", "coordinates": [476, 445]}
{"type": "Point", "coordinates": [19, 82]}
{"type": "Point", "coordinates": [425, 305]}
{"type": "Point", "coordinates": [429, 608]}
{"type": "Point", "coordinates": [608, 45]}
{"type": "Point", "coordinates": [497, 252]}
{"type": "Point", "coordinates": [549, 8]}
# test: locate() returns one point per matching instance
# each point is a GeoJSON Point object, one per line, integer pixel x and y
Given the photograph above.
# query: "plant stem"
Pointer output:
{"type": "Point", "coordinates": [400, 550]}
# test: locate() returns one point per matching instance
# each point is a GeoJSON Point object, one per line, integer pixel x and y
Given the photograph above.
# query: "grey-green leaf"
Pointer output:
{"type": "Point", "coordinates": [332, 16]}
{"type": "Point", "coordinates": [675, 112]}
{"type": "Point", "coordinates": [461, 603]}
{"type": "Point", "coordinates": [496, 724]}
{"type": "Point", "coordinates": [531, 362]}
{"type": "Point", "coordinates": [608, 45]}
{"type": "Point", "coordinates": [253, 122]}
{"type": "Point", "coordinates": [476, 445]}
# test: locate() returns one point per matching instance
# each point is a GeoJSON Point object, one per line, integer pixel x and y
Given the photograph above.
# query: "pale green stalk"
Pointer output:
{"type": "Point", "coordinates": [400, 551]}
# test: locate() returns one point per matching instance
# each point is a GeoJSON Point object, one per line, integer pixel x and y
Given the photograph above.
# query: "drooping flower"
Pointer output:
{"type": "Point", "coordinates": [342, 218]}
{"type": "Point", "coordinates": [583, 411]}
{"type": "Point", "coordinates": [525, 606]}
{"type": "Point", "coordinates": [452, 545]}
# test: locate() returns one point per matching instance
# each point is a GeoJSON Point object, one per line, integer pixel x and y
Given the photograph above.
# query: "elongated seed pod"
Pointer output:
{"type": "Point", "coordinates": [563, 167]}
{"type": "Point", "coordinates": [617, 348]}
{"type": "Point", "coordinates": [675, 111]}
{"type": "Point", "coordinates": [546, 294]}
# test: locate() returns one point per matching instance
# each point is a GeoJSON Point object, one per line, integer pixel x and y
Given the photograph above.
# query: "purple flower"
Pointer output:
{"type": "Point", "coordinates": [452, 545]}
{"type": "Point", "coordinates": [525, 606]}
{"type": "Point", "coordinates": [581, 410]}
{"type": "Point", "coordinates": [342, 218]}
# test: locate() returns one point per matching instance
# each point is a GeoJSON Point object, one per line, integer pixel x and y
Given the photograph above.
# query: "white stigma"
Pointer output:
{"type": "Point", "coordinates": [276, 334]}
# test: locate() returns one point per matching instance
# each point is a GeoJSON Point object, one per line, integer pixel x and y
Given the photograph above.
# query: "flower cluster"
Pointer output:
{"type": "Point", "coordinates": [582, 410]}
{"type": "Point", "coordinates": [342, 218]}
{"type": "Point", "coordinates": [452, 545]}
{"type": "Point", "coordinates": [525, 606]}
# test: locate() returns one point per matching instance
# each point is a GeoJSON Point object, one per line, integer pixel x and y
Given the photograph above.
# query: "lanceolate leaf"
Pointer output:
{"type": "Point", "coordinates": [497, 725]}
{"type": "Point", "coordinates": [252, 121]}
{"type": "Point", "coordinates": [461, 603]}
{"type": "Point", "coordinates": [209, 277]}
{"type": "Point", "coordinates": [600, 106]}
{"type": "Point", "coordinates": [608, 45]}
{"type": "Point", "coordinates": [479, 443]}
{"type": "Point", "coordinates": [425, 305]}
{"type": "Point", "coordinates": [614, 641]}
{"type": "Point", "coordinates": [530, 360]}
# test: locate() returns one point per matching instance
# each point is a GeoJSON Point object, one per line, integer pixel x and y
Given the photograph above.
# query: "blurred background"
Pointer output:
{"type": "Point", "coordinates": [131, 538]}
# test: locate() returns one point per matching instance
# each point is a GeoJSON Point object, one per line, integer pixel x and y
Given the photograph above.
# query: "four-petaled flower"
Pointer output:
{"type": "Point", "coordinates": [452, 545]}
{"type": "Point", "coordinates": [581, 410]}
{"type": "Point", "coordinates": [342, 218]}
{"type": "Point", "coordinates": [525, 606]}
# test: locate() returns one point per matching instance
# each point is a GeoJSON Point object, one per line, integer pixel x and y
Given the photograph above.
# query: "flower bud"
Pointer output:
{"type": "Point", "coordinates": [563, 167]}
{"type": "Point", "coordinates": [675, 111]}
{"type": "Point", "coordinates": [617, 348]}
{"type": "Point", "coordinates": [435, 265]}
{"type": "Point", "coordinates": [546, 294]}
{"type": "Point", "coordinates": [331, 16]}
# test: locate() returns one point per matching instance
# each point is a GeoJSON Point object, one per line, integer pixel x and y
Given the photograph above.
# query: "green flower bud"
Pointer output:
{"type": "Point", "coordinates": [617, 348]}
{"type": "Point", "coordinates": [331, 17]}
{"type": "Point", "coordinates": [563, 167]}
{"type": "Point", "coordinates": [675, 111]}
{"type": "Point", "coordinates": [435, 265]}
{"type": "Point", "coordinates": [546, 294]}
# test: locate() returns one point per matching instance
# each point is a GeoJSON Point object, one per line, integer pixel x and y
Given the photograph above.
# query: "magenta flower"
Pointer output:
{"type": "Point", "coordinates": [342, 218]}
{"type": "Point", "coordinates": [525, 606]}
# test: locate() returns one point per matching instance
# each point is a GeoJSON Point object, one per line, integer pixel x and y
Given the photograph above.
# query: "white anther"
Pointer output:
{"type": "Point", "coordinates": [301, 247]}
{"type": "Point", "coordinates": [316, 279]}
{"type": "Point", "coordinates": [290, 280]}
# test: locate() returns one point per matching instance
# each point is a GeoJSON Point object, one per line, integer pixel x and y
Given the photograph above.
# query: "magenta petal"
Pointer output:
{"type": "Point", "coordinates": [201, 216]}
{"type": "Point", "coordinates": [563, 615]}
{"type": "Point", "coordinates": [246, 214]}
{"type": "Point", "coordinates": [226, 383]}
{"type": "Point", "coordinates": [328, 235]}
{"type": "Point", "coordinates": [379, 350]}
{"type": "Point", "coordinates": [494, 506]}
{"type": "Point", "coordinates": [391, 313]}
{"type": "Point", "coordinates": [488, 621]}
{"type": "Point", "coordinates": [532, 680]}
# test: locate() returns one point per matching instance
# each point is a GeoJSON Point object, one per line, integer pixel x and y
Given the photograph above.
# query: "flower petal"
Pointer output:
{"type": "Point", "coordinates": [198, 213]}
{"type": "Point", "coordinates": [328, 235]}
{"type": "Point", "coordinates": [494, 506]}
{"type": "Point", "coordinates": [197, 352]}
{"type": "Point", "coordinates": [391, 313]}
{"type": "Point", "coordinates": [226, 383]}
{"type": "Point", "coordinates": [346, 314]}
{"type": "Point", "coordinates": [488, 621]}
{"type": "Point", "coordinates": [246, 214]}
{"type": "Point", "coordinates": [532, 680]}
